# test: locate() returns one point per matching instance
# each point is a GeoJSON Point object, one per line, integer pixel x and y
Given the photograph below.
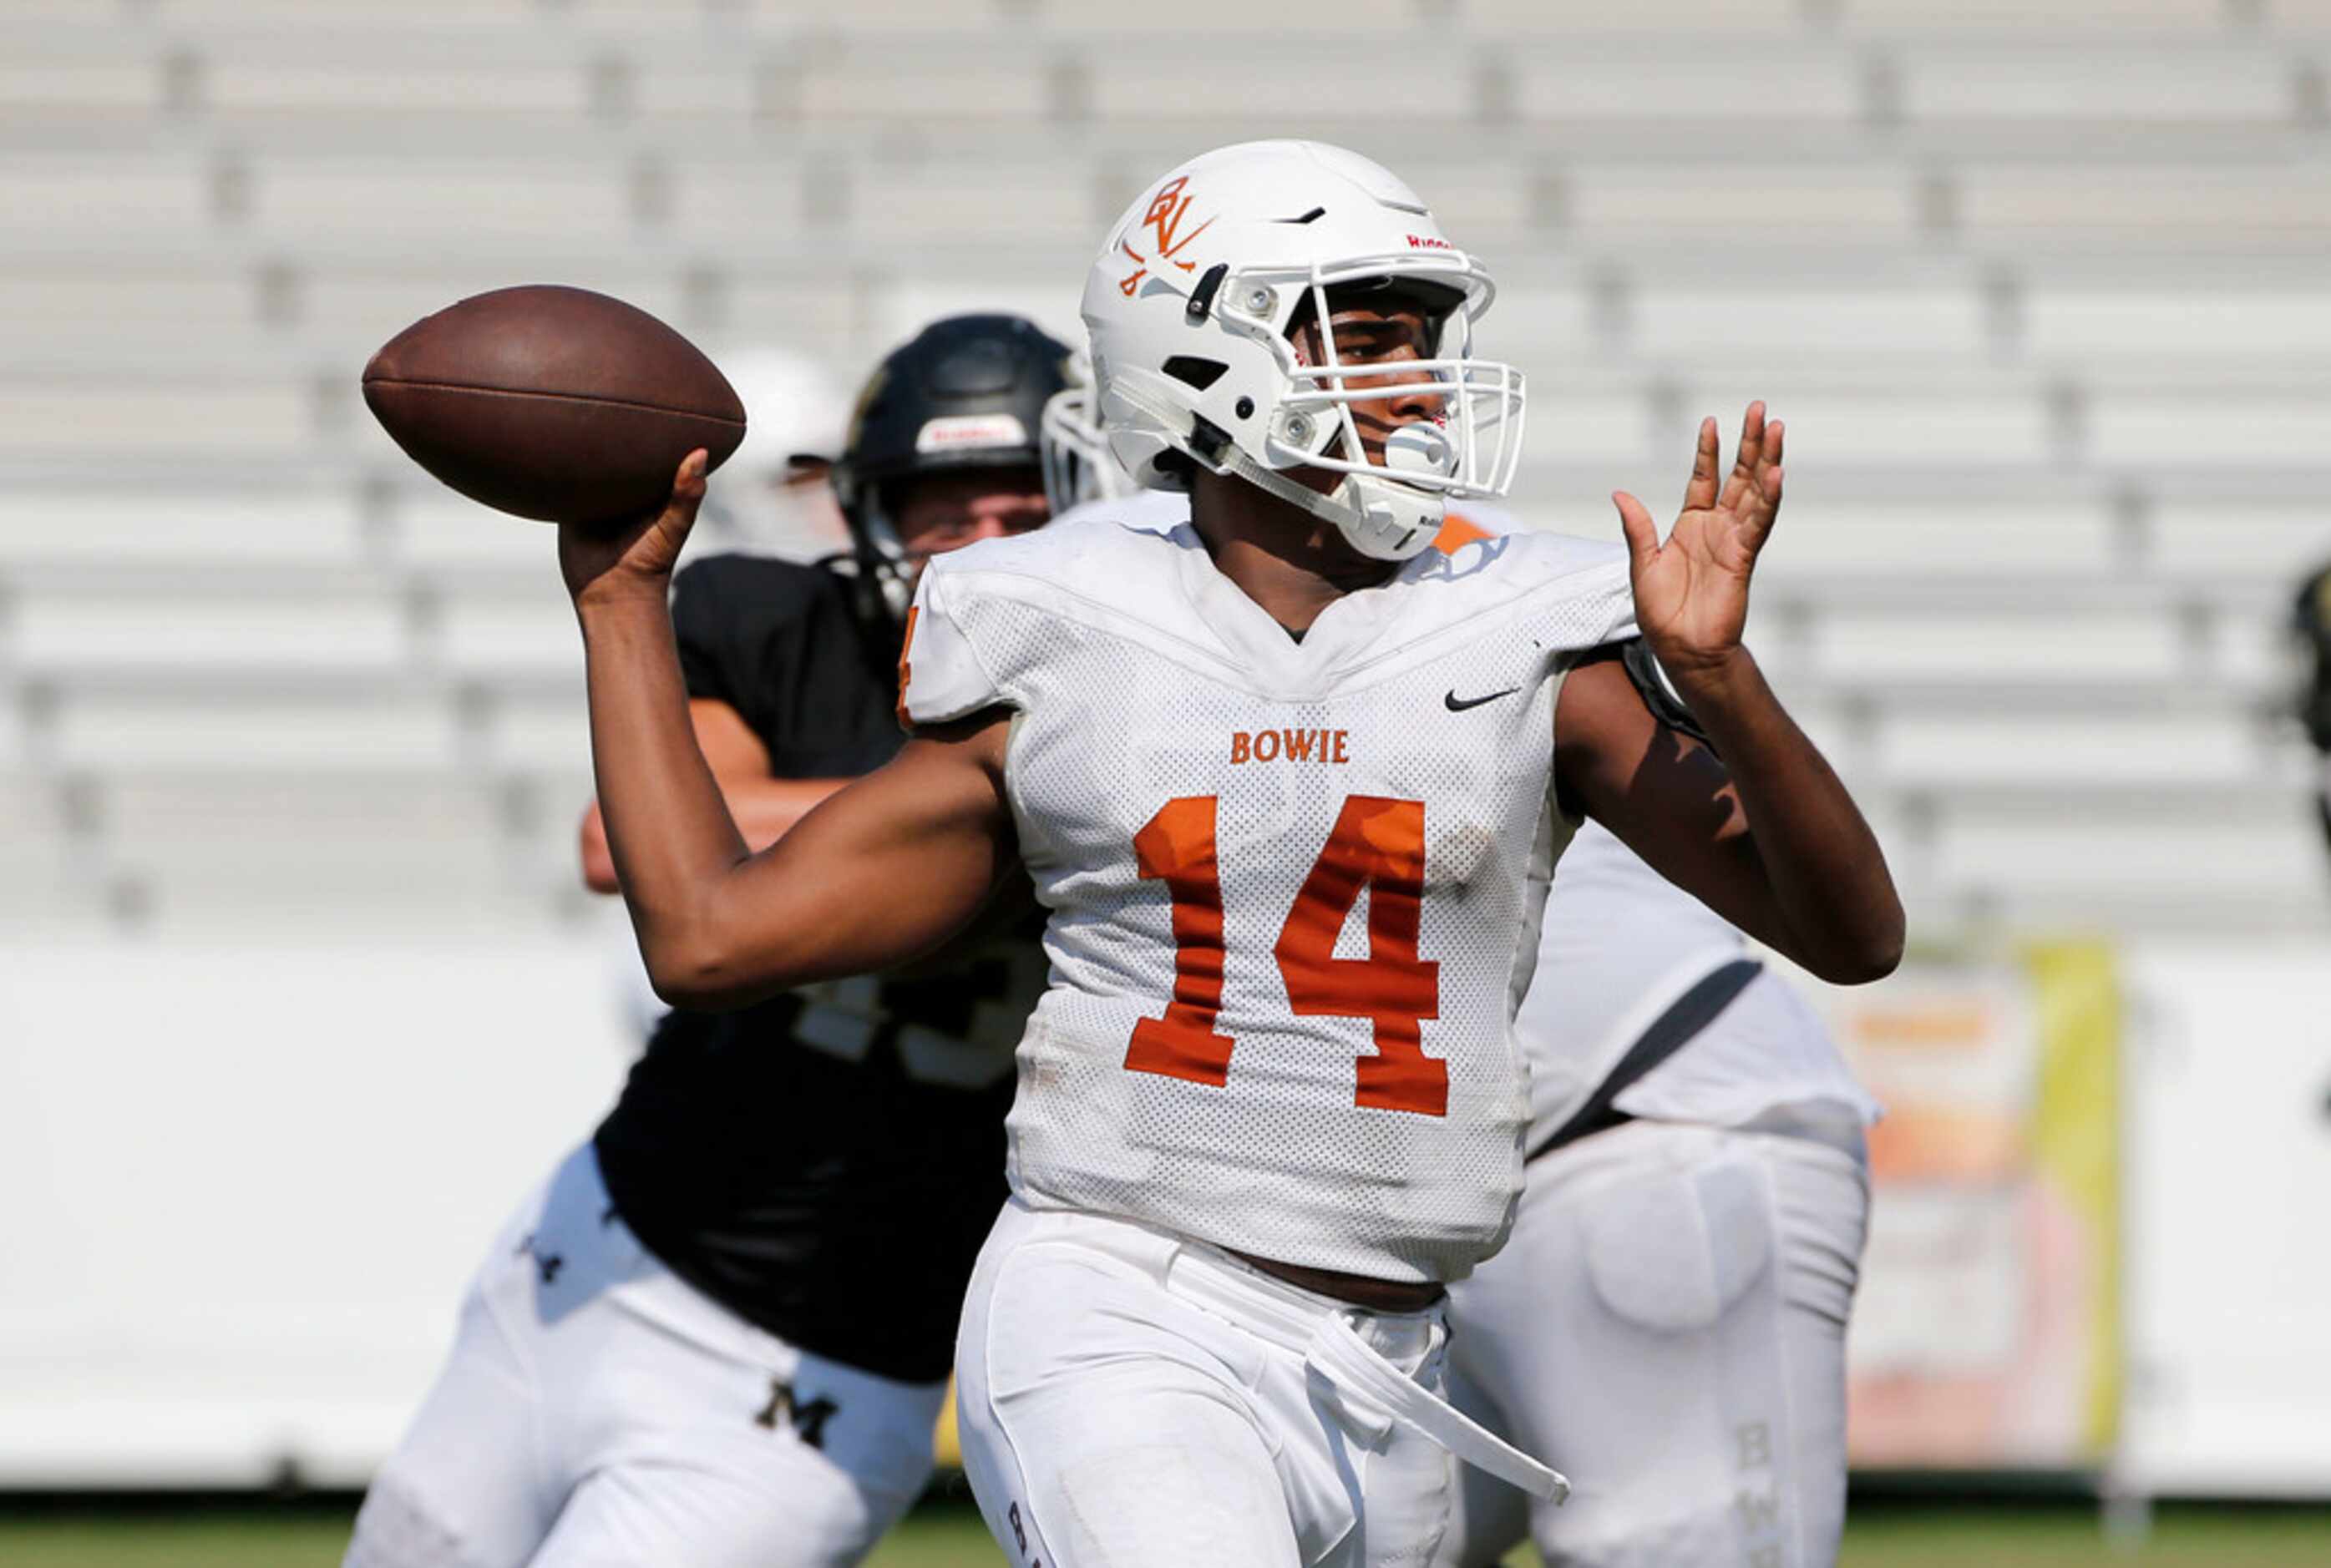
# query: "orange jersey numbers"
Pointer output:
{"type": "Point", "coordinates": [1177, 848]}
{"type": "Point", "coordinates": [1378, 847]}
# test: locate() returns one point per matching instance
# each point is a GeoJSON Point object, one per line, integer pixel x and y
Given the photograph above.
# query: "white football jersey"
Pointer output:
{"type": "Point", "coordinates": [1294, 885]}
{"type": "Point", "coordinates": [1159, 510]}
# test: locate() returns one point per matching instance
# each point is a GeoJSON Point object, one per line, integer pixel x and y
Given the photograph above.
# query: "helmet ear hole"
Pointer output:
{"type": "Point", "coordinates": [1191, 371]}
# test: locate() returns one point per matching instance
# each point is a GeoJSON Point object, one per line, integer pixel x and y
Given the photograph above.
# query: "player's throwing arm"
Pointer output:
{"type": "Point", "coordinates": [718, 925]}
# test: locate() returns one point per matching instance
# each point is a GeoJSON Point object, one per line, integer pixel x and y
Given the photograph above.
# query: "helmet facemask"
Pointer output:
{"type": "Point", "coordinates": [882, 559]}
{"type": "Point", "coordinates": [1462, 432]}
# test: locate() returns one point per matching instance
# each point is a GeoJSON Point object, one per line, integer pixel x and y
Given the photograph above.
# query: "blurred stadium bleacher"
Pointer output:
{"type": "Point", "coordinates": [2038, 286]}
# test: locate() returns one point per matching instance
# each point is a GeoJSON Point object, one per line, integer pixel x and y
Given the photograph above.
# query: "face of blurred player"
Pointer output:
{"type": "Point", "coordinates": [936, 513]}
{"type": "Point", "coordinates": [1392, 334]}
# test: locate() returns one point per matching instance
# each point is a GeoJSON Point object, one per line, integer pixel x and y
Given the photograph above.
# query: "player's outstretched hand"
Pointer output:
{"type": "Point", "coordinates": [637, 555]}
{"type": "Point", "coordinates": [1691, 592]}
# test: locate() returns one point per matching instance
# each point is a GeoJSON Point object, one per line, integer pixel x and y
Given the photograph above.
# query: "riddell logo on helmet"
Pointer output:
{"type": "Point", "coordinates": [1167, 209]}
{"type": "Point", "coordinates": [1427, 243]}
{"type": "Point", "coordinates": [956, 432]}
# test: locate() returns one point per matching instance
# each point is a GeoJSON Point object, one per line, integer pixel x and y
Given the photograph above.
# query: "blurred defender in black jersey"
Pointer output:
{"type": "Point", "coordinates": [2311, 621]}
{"type": "Point", "coordinates": [721, 1333]}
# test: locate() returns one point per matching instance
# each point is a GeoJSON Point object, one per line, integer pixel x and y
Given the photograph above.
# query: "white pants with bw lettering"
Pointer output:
{"type": "Point", "coordinates": [1666, 1326]}
{"type": "Point", "coordinates": [1133, 1398]}
{"type": "Point", "coordinates": [597, 1410]}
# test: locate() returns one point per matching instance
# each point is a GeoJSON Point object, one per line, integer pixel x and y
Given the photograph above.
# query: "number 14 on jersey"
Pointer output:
{"type": "Point", "coordinates": [1378, 847]}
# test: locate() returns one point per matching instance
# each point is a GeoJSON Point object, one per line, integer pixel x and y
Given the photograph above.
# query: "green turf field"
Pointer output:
{"type": "Point", "coordinates": [946, 1536]}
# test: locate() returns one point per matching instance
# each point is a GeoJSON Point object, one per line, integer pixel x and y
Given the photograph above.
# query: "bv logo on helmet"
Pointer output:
{"type": "Point", "coordinates": [1167, 209]}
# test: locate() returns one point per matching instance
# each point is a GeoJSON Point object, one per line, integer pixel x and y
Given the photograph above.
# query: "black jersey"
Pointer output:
{"type": "Point", "coordinates": [825, 1165]}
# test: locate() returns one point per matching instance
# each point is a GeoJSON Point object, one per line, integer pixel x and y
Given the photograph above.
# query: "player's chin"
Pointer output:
{"type": "Point", "coordinates": [1324, 481]}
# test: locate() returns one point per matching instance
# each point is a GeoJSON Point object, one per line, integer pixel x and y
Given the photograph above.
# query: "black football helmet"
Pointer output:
{"type": "Point", "coordinates": [966, 392]}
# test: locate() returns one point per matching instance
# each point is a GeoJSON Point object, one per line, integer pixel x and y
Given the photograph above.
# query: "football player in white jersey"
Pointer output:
{"type": "Point", "coordinates": [1257, 1131]}
{"type": "Point", "coordinates": [1668, 1320]}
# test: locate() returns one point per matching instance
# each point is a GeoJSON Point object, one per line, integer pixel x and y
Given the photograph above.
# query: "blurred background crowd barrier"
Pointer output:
{"type": "Point", "coordinates": [299, 988]}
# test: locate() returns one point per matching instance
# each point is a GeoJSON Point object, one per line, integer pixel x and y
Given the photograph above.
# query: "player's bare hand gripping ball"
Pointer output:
{"type": "Point", "coordinates": [636, 556]}
{"type": "Point", "coordinates": [1691, 592]}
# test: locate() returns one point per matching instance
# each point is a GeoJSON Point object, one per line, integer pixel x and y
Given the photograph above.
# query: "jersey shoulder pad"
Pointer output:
{"type": "Point", "coordinates": [981, 614]}
{"type": "Point", "coordinates": [1568, 594]}
{"type": "Point", "coordinates": [941, 675]}
{"type": "Point", "coordinates": [1150, 511]}
{"type": "Point", "coordinates": [1471, 521]}
{"type": "Point", "coordinates": [1094, 561]}
{"type": "Point", "coordinates": [1549, 556]}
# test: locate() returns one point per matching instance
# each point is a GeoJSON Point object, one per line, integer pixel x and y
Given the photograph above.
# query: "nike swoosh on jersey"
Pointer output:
{"type": "Point", "coordinates": [1458, 705]}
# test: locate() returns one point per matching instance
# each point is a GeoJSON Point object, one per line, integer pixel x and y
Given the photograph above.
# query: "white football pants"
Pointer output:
{"type": "Point", "coordinates": [596, 1408]}
{"type": "Point", "coordinates": [1131, 1399]}
{"type": "Point", "coordinates": [1668, 1326]}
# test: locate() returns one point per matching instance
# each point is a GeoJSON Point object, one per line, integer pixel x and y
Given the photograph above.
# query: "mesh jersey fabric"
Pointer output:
{"type": "Point", "coordinates": [1132, 669]}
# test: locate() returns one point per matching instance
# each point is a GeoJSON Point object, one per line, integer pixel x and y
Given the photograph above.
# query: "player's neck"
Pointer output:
{"type": "Point", "coordinates": [1285, 560]}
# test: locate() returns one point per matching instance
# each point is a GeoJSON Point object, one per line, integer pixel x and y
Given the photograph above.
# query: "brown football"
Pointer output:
{"type": "Point", "coordinates": [552, 403]}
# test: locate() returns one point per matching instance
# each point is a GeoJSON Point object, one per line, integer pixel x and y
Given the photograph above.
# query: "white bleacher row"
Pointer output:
{"type": "Point", "coordinates": [2230, 380]}
{"type": "Point", "coordinates": [414, 87]}
{"type": "Point", "coordinates": [2256, 433]}
{"type": "Point", "coordinates": [1835, 540]}
{"type": "Point", "coordinates": [153, 320]}
{"type": "Point", "coordinates": [329, 857]}
{"type": "Point", "coordinates": [1719, 18]}
{"type": "Point", "coordinates": [799, 210]}
{"type": "Point", "coordinates": [1880, 637]}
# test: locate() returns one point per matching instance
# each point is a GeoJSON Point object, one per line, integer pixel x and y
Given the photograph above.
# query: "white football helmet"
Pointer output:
{"type": "Point", "coordinates": [1190, 305]}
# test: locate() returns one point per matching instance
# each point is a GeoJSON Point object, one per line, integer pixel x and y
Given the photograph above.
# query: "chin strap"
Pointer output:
{"type": "Point", "coordinates": [1350, 519]}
